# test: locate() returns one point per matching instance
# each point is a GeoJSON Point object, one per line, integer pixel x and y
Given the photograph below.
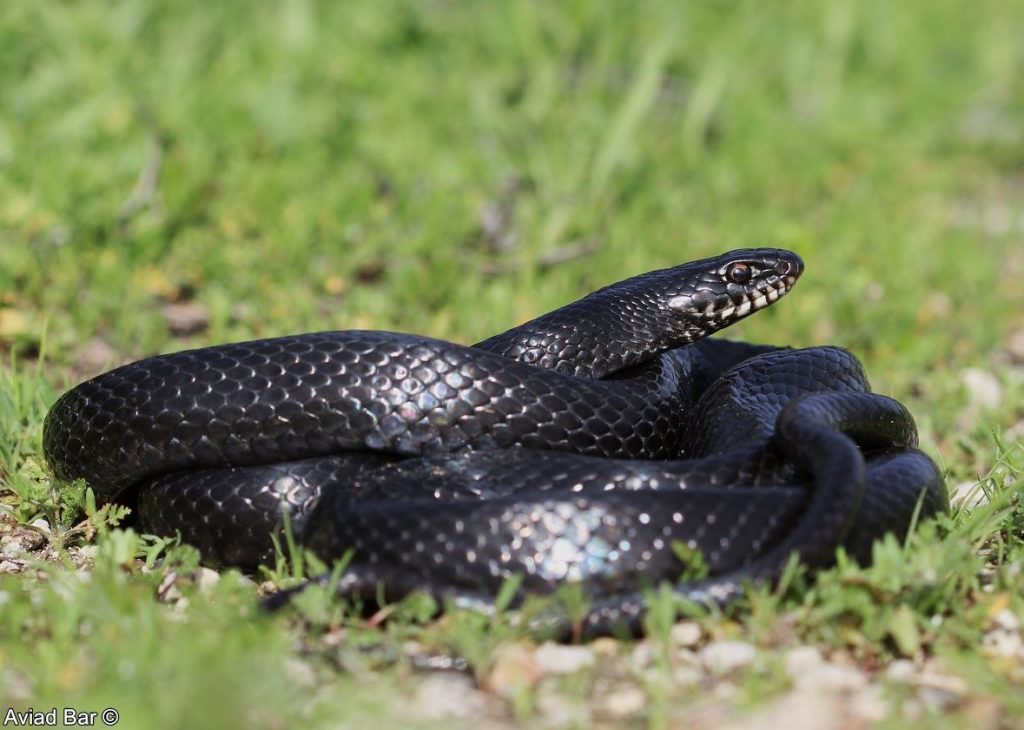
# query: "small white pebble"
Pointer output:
{"type": "Point", "coordinates": [722, 657]}
{"type": "Point", "coordinates": [801, 710]}
{"type": "Point", "coordinates": [949, 683]}
{"type": "Point", "coordinates": [901, 670]}
{"type": "Point", "coordinates": [1006, 620]}
{"type": "Point", "coordinates": [168, 589]}
{"type": "Point", "coordinates": [412, 648]}
{"type": "Point", "coordinates": [968, 493]}
{"type": "Point", "coordinates": [686, 633]}
{"type": "Point", "coordinates": [809, 670]}
{"type": "Point", "coordinates": [513, 668]}
{"type": "Point", "coordinates": [41, 525]}
{"type": "Point", "coordinates": [642, 656]}
{"type": "Point", "coordinates": [983, 388]}
{"type": "Point", "coordinates": [688, 657]}
{"type": "Point", "coordinates": [1015, 345]}
{"type": "Point", "coordinates": [11, 566]}
{"type": "Point", "coordinates": [206, 579]}
{"type": "Point", "coordinates": [839, 678]}
{"type": "Point", "coordinates": [1001, 643]}
{"type": "Point", "coordinates": [559, 659]}
{"type": "Point", "coordinates": [801, 660]}
{"type": "Point", "coordinates": [446, 695]}
{"type": "Point", "coordinates": [19, 688]}
{"type": "Point", "coordinates": [624, 702]}
{"type": "Point", "coordinates": [605, 646]}
{"type": "Point", "coordinates": [686, 676]}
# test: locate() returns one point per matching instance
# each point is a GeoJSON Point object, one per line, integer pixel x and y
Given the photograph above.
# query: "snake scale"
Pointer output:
{"type": "Point", "coordinates": [585, 446]}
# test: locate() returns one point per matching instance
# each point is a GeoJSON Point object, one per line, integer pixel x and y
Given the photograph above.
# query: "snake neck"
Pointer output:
{"type": "Point", "coordinates": [592, 347]}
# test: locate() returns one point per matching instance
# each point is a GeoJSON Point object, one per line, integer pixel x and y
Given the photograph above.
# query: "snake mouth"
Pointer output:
{"type": "Point", "coordinates": [731, 308]}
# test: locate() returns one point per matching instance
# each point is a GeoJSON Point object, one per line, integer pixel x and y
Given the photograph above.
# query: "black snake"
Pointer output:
{"type": "Point", "coordinates": [585, 446]}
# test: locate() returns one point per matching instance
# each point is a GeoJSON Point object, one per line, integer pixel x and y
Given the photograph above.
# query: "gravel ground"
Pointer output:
{"type": "Point", "coordinates": [706, 680]}
{"type": "Point", "coordinates": [607, 683]}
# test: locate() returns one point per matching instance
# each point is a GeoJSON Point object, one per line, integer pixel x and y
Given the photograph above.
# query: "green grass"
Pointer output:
{"type": "Point", "coordinates": [425, 166]}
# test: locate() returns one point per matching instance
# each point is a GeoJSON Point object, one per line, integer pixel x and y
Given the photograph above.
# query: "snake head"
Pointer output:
{"type": "Point", "coordinates": [729, 287]}
{"type": "Point", "coordinates": [629, 322]}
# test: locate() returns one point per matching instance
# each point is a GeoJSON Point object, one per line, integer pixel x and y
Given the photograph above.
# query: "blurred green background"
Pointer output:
{"type": "Point", "coordinates": [425, 165]}
{"type": "Point", "coordinates": [181, 173]}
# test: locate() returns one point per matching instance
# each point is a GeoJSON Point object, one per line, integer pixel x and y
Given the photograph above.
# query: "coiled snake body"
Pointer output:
{"type": "Point", "coordinates": [583, 447]}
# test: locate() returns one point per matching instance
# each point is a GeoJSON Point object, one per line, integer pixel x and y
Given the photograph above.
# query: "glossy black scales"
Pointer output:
{"type": "Point", "coordinates": [584, 446]}
{"type": "Point", "coordinates": [318, 394]}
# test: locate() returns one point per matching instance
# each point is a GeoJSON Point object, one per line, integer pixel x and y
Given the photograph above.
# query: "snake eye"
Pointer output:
{"type": "Point", "coordinates": [739, 273]}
